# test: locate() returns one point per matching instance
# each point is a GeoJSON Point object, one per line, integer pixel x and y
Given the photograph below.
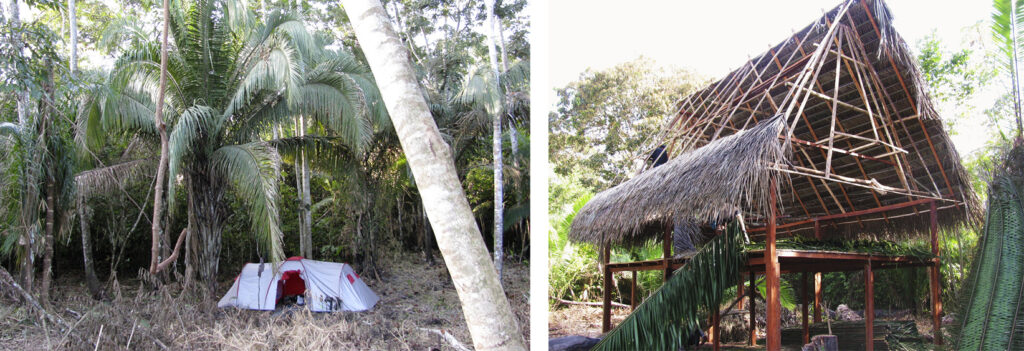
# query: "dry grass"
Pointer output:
{"type": "Point", "coordinates": [580, 320]}
{"type": "Point", "coordinates": [414, 298]}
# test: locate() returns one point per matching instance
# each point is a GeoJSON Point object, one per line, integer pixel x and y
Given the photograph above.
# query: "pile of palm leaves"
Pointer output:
{"type": "Point", "coordinates": [664, 321]}
{"type": "Point", "coordinates": [994, 319]}
{"type": "Point", "coordinates": [915, 248]}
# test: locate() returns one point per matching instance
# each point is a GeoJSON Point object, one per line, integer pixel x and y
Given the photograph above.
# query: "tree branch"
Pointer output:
{"type": "Point", "coordinates": [174, 255]}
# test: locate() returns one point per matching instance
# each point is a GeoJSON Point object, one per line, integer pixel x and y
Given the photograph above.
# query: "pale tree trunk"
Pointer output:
{"type": "Point", "coordinates": [488, 313]}
{"type": "Point", "coordinates": [158, 196]}
{"type": "Point", "coordinates": [499, 191]}
{"type": "Point", "coordinates": [29, 229]}
{"type": "Point", "coordinates": [73, 24]}
{"type": "Point", "coordinates": [90, 272]}
{"type": "Point", "coordinates": [302, 189]}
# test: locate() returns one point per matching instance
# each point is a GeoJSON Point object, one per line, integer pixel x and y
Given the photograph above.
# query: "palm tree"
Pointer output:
{"type": "Point", "coordinates": [1006, 31]}
{"type": "Point", "coordinates": [487, 311]}
{"type": "Point", "coordinates": [230, 81]}
{"type": "Point", "coordinates": [496, 94]}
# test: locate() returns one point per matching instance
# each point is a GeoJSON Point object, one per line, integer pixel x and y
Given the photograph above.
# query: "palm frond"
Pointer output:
{"type": "Point", "coordinates": [665, 320]}
{"type": "Point", "coordinates": [108, 179]}
{"type": "Point", "coordinates": [327, 155]}
{"type": "Point", "coordinates": [195, 125]}
{"type": "Point", "coordinates": [252, 170]}
{"type": "Point", "coordinates": [276, 70]}
{"type": "Point", "coordinates": [994, 318]}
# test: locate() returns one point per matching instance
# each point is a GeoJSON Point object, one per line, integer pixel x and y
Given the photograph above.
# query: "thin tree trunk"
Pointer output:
{"type": "Point", "coordinates": [29, 228]}
{"type": "Point", "coordinates": [499, 191]}
{"type": "Point", "coordinates": [158, 193]}
{"type": "Point", "coordinates": [307, 205]}
{"type": "Point", "coordinates": [488, 313]}
{"type": "Point", "coordinates": [90, 271]}
{"type": "Point", "coordinates": [301, 186]}
{"type": "Point", "coordinates": [73, 24]}
{"type": "Point", "coordinates": [44, 293]}
{"type": "Point", "coordinates": [51, 189]}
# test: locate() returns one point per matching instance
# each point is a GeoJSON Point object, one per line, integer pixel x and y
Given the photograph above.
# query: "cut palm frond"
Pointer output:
{"type": "Point", "coordinates": [665, 320]}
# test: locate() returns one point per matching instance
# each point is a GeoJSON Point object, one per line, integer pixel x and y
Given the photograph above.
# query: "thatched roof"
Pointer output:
{"type": "Point", "coordinates": [868, 140]}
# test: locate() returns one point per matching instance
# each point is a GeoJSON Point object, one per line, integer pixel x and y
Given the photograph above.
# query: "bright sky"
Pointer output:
{"type": "Point", "coordinates": [714, 37]}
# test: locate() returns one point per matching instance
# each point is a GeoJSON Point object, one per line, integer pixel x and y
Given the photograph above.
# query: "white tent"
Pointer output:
{"type": "Point", "coordinates": [325, 286]}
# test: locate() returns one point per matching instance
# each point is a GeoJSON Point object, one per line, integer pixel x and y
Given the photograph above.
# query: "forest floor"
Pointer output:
{"type": "Point", "coordinates": [418, 305]}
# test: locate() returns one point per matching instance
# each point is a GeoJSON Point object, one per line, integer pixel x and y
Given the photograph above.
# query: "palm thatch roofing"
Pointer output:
{"type": "Point", "coordinates": [837, 114]}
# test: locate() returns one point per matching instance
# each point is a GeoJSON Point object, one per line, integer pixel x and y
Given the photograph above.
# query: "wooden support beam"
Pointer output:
{"type": "Point", "coordinates": [817, 297]}
{"type": "Point", "coordinates": [606, 308]}
{"type": "Point", "coordinates": [936, 277]}
{"type": "Point", "coordinates": [772, 277]}
{"type": "Point", "coordinates": [753, 311]}
{"type": "Point", "coordinates": [869, 308]}
{"type": "Point", "coordinates": [849, 214]}
{"type": "Point", "coordinates": [666, 247]}
{"type": "Point", "coordinates": [716, 330]}
{"type": "Point", "coordinates": [803, 304]}
{"type": "Point", "coordinates": [632, 293]}
{"type": "Point", "coordinates": [739, 293]}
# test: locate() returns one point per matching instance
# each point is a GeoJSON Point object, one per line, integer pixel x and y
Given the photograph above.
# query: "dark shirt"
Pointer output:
{"type": "Point", "coordinates": [658, 157]}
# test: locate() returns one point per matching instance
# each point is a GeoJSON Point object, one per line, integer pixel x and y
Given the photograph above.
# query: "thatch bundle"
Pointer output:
{"type": "Point", "coordinates": [706, 184]}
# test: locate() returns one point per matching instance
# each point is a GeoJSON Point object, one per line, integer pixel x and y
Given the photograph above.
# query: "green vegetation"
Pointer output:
{"type": "Point", "coordinates": [276, 129]}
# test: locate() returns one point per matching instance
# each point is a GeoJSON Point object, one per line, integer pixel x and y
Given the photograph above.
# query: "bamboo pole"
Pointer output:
{"type": "Point", "coordinates": [803, 304]}
{"type": "Point", "coordinates": [753, 311]}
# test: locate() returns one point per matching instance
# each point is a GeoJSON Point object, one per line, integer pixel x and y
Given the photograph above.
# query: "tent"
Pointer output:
{"type": "Point", "coordinates": [324, 286]}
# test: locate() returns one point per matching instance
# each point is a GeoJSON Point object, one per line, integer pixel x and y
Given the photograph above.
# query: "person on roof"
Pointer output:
{"type": "Point", "coordinates": [658, 157]}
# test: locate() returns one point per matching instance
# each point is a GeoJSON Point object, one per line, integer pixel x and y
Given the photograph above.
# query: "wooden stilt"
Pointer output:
{"type": "Point", "coordinates": [633, 300]}
{"type": "Point", "coordinates": [739, 293]}
{"type": "Point", "coordinates": [716, 330]}
{"type": "Point", "coordinates": [772, 276]}
{"type": "Point", "coordinates": [753, 311]}
{"type": "Point", "coordinates": [817, 297]}
{"type": "Point", "coordinates": [817, 279]}
{"type": "Point", "coordinates": [869, 308]}
{"type": "Point", "coordinates": [666, 246]}
{"type": "Point", "coordinates": [935, 276]}
{"type": "Point", "coordinates": [606, 312]}
{"type": "Point", "coordinates": [803, 303]}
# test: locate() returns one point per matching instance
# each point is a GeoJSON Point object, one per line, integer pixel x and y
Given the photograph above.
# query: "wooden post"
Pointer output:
{"type": "Point", "coordinates": [817, 279]}
{"type": "Point", "coordinates": [803, 303]}
{"type": "Point", "coordinates": [632, 293]}
{"type": "Point", "coordinates": [666, 246]}
{"type": "Point", "coordinates": [739, 293]}
{"type": "Point", "coordinates": [716, 330]}
{"type": "Point", "coordinates": [772, 277]}
{"type": "Point", "coordinates": [869, 308]}
{"type": "Point", "coordinates": [817, 297]}
{"type": "Point", "coordinates": [935, 276]}
{"type": "Point", "coordinates": [606, 308]}
{"type": "Point", "coordinates": [753, 310]}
